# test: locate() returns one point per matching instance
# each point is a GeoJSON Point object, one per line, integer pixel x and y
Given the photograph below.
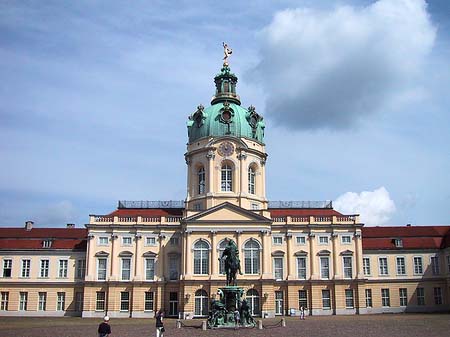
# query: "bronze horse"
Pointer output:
{"type": "Point", "coordinates": [232, 262]}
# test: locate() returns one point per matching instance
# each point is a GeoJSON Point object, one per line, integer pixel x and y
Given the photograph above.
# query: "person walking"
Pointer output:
{"type": "Point", "coordinates": [302, 312]}
{"type": "Point", "coordinates": [104, 329]}
{"type": "Point", "coordinates": [159, 323]}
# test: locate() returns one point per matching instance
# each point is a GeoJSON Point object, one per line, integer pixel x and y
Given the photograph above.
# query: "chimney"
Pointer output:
{"type": "Point", "coordinates": [70, 225]}
{"type": "Point", "coordinates": [28, 225]}
{"type": "Point", "coordinates": [408, 225]}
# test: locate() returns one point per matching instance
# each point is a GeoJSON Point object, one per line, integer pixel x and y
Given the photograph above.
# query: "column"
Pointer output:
{"type": "Point", "coordinates": [137, 259]}
{"type": "Point", "coordinates": [263, 179]}
{"type": "Point", "coordinates": [161, 257]}
{"type": "Point", "coordinates": [336, 270]}
{"type": "Point", "coordinates": [243, 189]}
{"type": "Point", "coordinates": [90, 265]}
{"type": "Point", "coordinates": [266, 260]}
{"type": "Point", "coordinates": [358, 256]}
{"type": "Point", "coordinates": [113, 262]}
{"type": "Point", "coordinates": [210, 178]}
{"type": "Point", "coordinates": [214, 258]}
{"type": "Point", "coordinates": [239, 248]}
{"type": "Point", "coordinates": [188, 255]}
{"type": "Point", "coordinates": [289, 257]}
{"type": "Point", "coordinates": [312, 257]}
{"type": "Point", "coordinates": [188, 178]}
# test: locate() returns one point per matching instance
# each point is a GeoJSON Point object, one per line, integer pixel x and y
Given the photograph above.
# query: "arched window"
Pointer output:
{"type": "Point", "coordinates": [222, 246]}
{"type": "Point", "coordinates": [201, 180]}
{"type": "Point", "coordinates": [201, 303]}
{"type": "Point", "coordinates": [251, 180]}
{"type": "Point", "coordinates": [251, 257]}
{"type": "Point", "coordinates": [252, 298]}
{"type": "Point", "coordinates": [201, 258]}
{"type": "Point", "coordinates": [226, 178]}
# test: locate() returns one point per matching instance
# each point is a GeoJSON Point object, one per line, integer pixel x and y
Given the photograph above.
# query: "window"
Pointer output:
{"type": "Point", "coordinates": [79, 301]}
{"type": "Point", "coordinates": [103, 241]}
{"type": "Point", "coordinates": [251, 257]}
{"type": "Point", "coordinates": [385, 300]}
{"type": "Point", "coordinates": [227, 178]}
{"type": "Point", "coordinates": [348, 268]}
{"type": "Point", "coordinates": [368, 298]}
{"type": "Point", "coordinates": [349, 304]}
{"type": "Point", "coordinates": [23, 301]}
{"type": "Point", "coordinates": [323, 240]}
{"type": "Point", "coordinates": [221, 249]}
{"type": "Point", "coordinates": [126, 269]}
{"type": "Point", "coordinates": [100, 301]}
{"type": "Point", "coordinates": [46, 243]}
{"type": "Point", "coordinates": [61, 301]}
{"type": "Point", "coordinates": [279, 303]}
{"type": "Point", "coordinates": [201, 180]}
{"type": "Point", "coordinates": [437, 296]}
{"type": "Point", "coordinates": [127, 241]}
{"type": "Point", "coordinates": [101, 269]}
{"type": "Point", "coordinates": [174, 241]}
{"type": "Point", "coordinates": [42, 301]}
{"type": "Point", "coordinates": [301, 240]}
{"type": "Point", "coordinates": [150, 241]}
{"type": "Point", "coordinates": [255, 206]}
{"type": "Point", "coordinates": [45, 264]}
{"type": "Point", "coordinates": [201, 303]}
{"type": "Point", "coordinates": [277, 240]}
{"type": "Point", "coordinates": [448, 263]}
{"type": "Point", "coordinates": [62, 271]}
{"type": "Point", "coordinates": [173, 267]}
{"type": "Point", "coordinates": [346, 239]}
{"type": "Point", "coordinates": [278, 268]}
{"type": "Point", "coordinates": [302, 299]}
{"type": "Point", "coordinates": [326, 299]}
{"type": "Point", "coordinates": [401, 268]}
{"type": "Point", "coordinates": [149, 301]}
{"type": "Point", "coordinates": [173, 304]}
{"type": "Point", "coordinates": [7, 267]}
{"type": "Point", "coordinates": [420, 296]}
{"type": "Point", "coordinates": [418, 265]}
{"type": "Point", "coordinates": [403, 294]}
{"type": "Point", "coordinates": [26, 268]}
{"type": "Point", "coordinates": [124, 301]}
{"type": "Point", "coordinates": [301, 267]}
{"type": "Point", "coordinates": [4, 301]}
{"type": "Point", "coordinates": [435, 265]}
{"type": "Point", "coordinates": [201, 258]}
{"type": "Point", "coordinates": [253, 301]}
{"type": "Point", "coordinates": [398, 243]}
{"type": "Point", "coordinates": [80, 269]}
{"type": "Point", "coordinates": [383, 266]}
{"type": "Point", "coordinates": [251, 180]}
{"type": "Point", "coordinates": [325, 267]}
{"type": "Point", "coordinates": [366, 265]}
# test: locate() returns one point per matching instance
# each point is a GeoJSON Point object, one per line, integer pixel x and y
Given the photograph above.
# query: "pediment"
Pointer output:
{"type": "Point", "coordinates": [227, 212]}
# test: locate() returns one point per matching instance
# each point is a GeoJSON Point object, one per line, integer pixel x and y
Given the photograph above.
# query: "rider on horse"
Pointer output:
{"type": "Point", "coordinates": [232, 262]}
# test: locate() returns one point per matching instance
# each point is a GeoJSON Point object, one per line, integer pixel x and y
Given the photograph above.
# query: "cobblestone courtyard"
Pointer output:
{"type": "Point", "coordinates": [408, 325]}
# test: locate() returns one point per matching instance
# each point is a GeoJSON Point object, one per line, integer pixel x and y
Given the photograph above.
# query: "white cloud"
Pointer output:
{"type": "Point", "coordinates": [375, 207]}
{"type": "Point", "coordinates": [328, 69]}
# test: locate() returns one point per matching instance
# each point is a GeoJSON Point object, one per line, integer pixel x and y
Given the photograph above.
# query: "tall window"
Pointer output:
{"type": "Point", "coordinates": [348, 269]}
{"type": "Point", "coordinates": [366, 265]}
{"type": "Point", "coordinates": [278, 268]}
{"type": "Point", "coordinates": [26, 268]}
{"type": "Point", "coordinates": [401, 268]}
{"type": "Point", "coordinates": [325, 267]}
{"type": "Point", "coordinates": [23, 300]}
{"type": "Point", "coordinates": [149, 269]}
{"type": "Point", "coordinates": [4, 301]}
{"type": "Point", "coordinates": [420, 296]}
{"type": "Point", "coordinates": [101, 269]}
{"type": "Point", "coordinates": [326, 299]}
{"type": "Point", "coordinates": [383, 266]}
{"type": "Point", "coordinates": [301, 267]}
{"type": "Point", "coordinates": [349, 303]}
{"type": "Point", "coordinates": [385, 299]}
{"type": "Point", "coordinates": [251, 257]}
{"type": "Point", "coordinates": [42, 301]}
{"type": "Point", "coordinates": [435, 265]}
{"type": "Point", "coordinates": [418, 265]}
{"type": "Point", "coordinates": [173, 304]}
{"type": "Point", "coordinates": [62, 271]}
{"type": "Point", "coordinates": [279, 303]}
{"type": "Point", "coordinates": [201, 180]}
{"type": "Point", "coordinates": [251, 180]}
{"type": "Point", "coordinates": [124, 301]}
{"type": "Point", "coordinates": [79, 301]}
{"type": "Point", "coordinates": [174, 262]}
{"type": "Point", "coordinates": [80, 269]}
{"type": "Point", "coordinates": [149, 301]}
{"type": "Point", "coordinates": [368, 298]}
{"type": "Point", "coordinates": [45, 264]}
{"type": "Point", "coordinates": [403, 294]}
{"type": "Point", "coordinates": [226, 178]}
{"type": "Point", "coordinates": [253, 301]}
{"type": "Point", "coordinates": [201, 303]}
{"type": "Point", "coordinates": [61, 301]}
{"type": "Point", "coordinates": [201, 258]}
{"type": "Point", "coordinates": [126, 269]}
{"type": "Point", "coordinates": [7, 267]}
{"type": "Point", "coordinates": [302, 299]}
{"type": "Point", "coordinates": [437, 295]}
{"type": "Point", "coordinates": [221, 249]}
{"type": "Point", "coordinates": [100, 301]}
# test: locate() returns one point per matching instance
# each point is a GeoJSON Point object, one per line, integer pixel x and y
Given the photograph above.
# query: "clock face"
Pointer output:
{"type": "Point", "coordinates": [226, 149]}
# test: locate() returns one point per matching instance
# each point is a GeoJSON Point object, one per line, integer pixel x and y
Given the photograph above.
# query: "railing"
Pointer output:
{"type": "Point", "coordinates": [300, 219]}
{"type": "Point", "coordinates": [174, 218]}
{"type": "Point", "coordinates": [151, 219]}
{"type": "Point", "coordinates": [279, 219]}
{"type": "Point", "coordinates": [300, 204]}
{"type": "Point", "coordinates": [151, 204]}
{"type": "Point", "coordinates": [316, 219]}
{"type": "Point", "coordinates": [104, 219]}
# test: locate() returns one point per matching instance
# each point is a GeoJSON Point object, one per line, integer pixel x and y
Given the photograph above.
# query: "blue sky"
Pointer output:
{"type": "Point", "coordinates": [95, 96]}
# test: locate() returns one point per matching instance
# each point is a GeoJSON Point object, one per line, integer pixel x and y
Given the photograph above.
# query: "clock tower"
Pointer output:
{"type": "Point", "coordinates": [226, 152]}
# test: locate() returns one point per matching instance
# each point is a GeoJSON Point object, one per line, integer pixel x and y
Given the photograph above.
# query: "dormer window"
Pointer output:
{"type": "Point", "coordinates": [47, 243]}
{"type": "Point", "coordinates": [398, 243]}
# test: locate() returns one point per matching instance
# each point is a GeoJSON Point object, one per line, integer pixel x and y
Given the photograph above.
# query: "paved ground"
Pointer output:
{"type": "Point", "coordinates": [403, 325]}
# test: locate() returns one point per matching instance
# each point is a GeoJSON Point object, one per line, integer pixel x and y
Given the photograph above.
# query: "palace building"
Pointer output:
{"type": "Point", "coordinates": [144, 256]}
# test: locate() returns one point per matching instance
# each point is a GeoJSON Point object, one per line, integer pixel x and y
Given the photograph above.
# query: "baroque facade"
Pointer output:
{"type": "Point", "coordinates": [149, 255]}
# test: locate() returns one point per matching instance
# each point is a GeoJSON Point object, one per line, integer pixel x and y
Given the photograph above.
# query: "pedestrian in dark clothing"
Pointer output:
{"type": "Point", "coordinates": [104, 329]}
{"type": "Point", "coordinates": [159, 323]}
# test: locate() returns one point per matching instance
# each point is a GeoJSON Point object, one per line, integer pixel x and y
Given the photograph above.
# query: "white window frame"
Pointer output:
{"type": "Point", "coordinates": [226, 178]}
{"type": "Point", "coordinates": [403, 296]}
{"type": "Point", "coordinates": [204, 255]}
{"type": "Point", "coordinates": [420, 296]}
{"type": "Point", "coordinates": [23, 301]}
{"type": "Point", "coordinates": [385, 300]}
{"type": "Point", "coordinates": [277, 240]}
{"type": "Point", "coordinates": [63, 268]}
{"type": "Point", "coordinates": [417, 266]}
{"type": "Point", "coordinates": [127, 238]}
{"type": "Point", "coordinates": [25, 268]}
{"type": "Point", "coordinates": [42, 301]}
{"type": "Point", "coordinates": [251, 180]}
{"type": "Point", "coordinates": [149, 244]}
{"type": "Point", "coordinates": [302, 270]}
{"type": "Point", "coordinates": [150, 260]}
{"type": "Point", "coordinates": [325, 298]}
{"type": "Point", "coordinates": [277, 270]}
{"type": "Point", "coordinates": [299, 238]}
{"type": "Point", "coordinates": [124, 301]}
{"type": "Point", "coordinates": [325, 238]}
{"type": "Point", "coordinates": [398, 243]}
{"type": "Point", "coordinates": [103, 238]}
{"type": "Point", "coordinates": [434, 264]}
{"type": "Point", "coordinates": [322, 269]}
{"type": "Point", "coordinates": [98, 268]}
{"type": "Point", "coordinates": [344, 242]}
{"type": "Point", "coordinates": [44, 271]}
{"type": "Point", "coordinates": [122, 269]}
{"type": "Point", "coordinates": [7, 264]}
{"type": "Point", "coordinates": [253, 255]}
{"type": "Point", "coordinates": [349, 300]}
{"type": "Point", "coordinates": [366, 266]}
{"type": "Point", "coordinates": [60, 301]}
{"type": "Point", "coordinates": [279, 302]}
{"type": "Point", "coordinates": [4, 301]}
{"type": "Point", "coordinates": [346, 269]}
{"type": "Point", "coordinates": [174, 263]}
{"type": "Point", "coordinates": [383, 270]}
{"type": "Point", "coordinates": [368, 294]}
{"type": "Point", "coordinates": [149, 300]}
{"type": "Point", "coordinates": [397, 266]}
{"type": "Point", "coordinates": [47, 243]}
{"type": "Point", "coordinates": [100, 301]}
{"type": "Point", "coordinates": [80, 265]}
{"type": "Point", "coordinates": [201, 177]}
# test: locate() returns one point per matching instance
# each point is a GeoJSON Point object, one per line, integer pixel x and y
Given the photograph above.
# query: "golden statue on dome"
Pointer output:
{"type": "Point", "coordinates": [227, 51]}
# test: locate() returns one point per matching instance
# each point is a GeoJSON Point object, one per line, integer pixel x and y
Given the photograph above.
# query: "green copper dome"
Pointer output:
{"type": "Point", "coordinates": [225, 116]}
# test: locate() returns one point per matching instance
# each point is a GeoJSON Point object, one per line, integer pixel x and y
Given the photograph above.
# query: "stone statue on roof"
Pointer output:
{"type": "Point", "coordinates": [227, 51]}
